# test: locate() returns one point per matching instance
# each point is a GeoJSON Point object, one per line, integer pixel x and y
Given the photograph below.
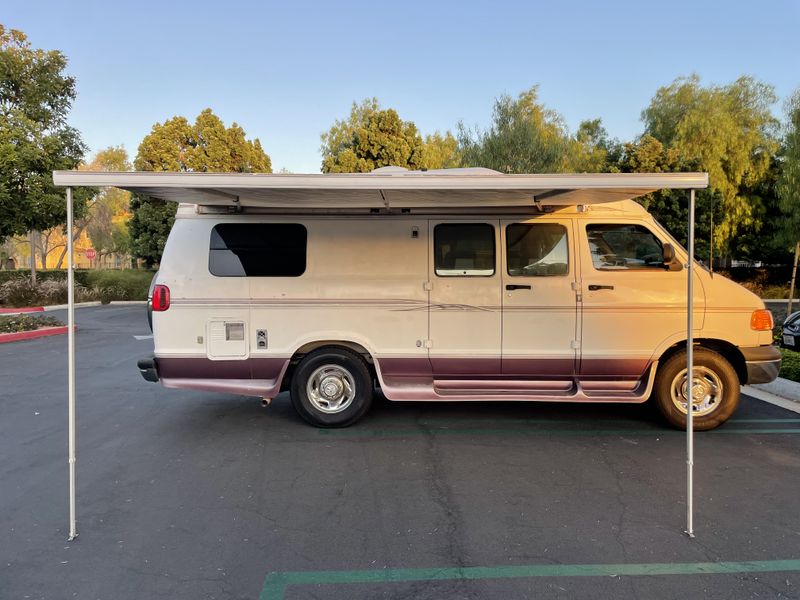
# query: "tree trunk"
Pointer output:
{"type": "Point", "coordinates": [33, 256]}
{"type": "Point", "coordinates": [794, 276]}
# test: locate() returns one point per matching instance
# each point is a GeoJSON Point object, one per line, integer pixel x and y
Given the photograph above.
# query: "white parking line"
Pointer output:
{"type": "Point", "coordinates": [143, 337]}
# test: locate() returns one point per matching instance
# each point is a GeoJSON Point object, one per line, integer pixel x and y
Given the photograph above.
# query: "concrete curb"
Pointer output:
{"type": "Point", "coordinates": [77, 305]}
{"type": "Point", "coordinates": [19, 311]}
{"type": "Point", "coordinates": [125, 302]}
{"type": "Point", "coordinates": [784, 388]}
{"type": "Point", "coordinates": [30, 335]}
{"type": "Point", "coordinates": [771, 398]}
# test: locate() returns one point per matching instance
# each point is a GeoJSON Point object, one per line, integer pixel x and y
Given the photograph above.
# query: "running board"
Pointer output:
{"type": "Point", "coordinates": [631, 391]}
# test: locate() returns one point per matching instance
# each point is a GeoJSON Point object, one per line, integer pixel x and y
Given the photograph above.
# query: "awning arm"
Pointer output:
{"type": "Point", "coordinates": [73, 532]}
{"type": "Point", "coordinates": [690, 373]}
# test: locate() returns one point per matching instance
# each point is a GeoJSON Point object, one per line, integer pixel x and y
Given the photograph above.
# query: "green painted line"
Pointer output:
{"type": "Point", "coordinates": [448, 420]}
{"type": "Point", "coordinates": [549, 432]}
{"type": "Point", "coordinates": [764, 421]}
{"type": "Point", "coordinates": [275, 584]}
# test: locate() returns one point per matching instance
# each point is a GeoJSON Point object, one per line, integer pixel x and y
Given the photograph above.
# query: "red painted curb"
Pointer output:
{"type": "Point", "coordinates": [22, 310]}
{"type": "Point", "coordinates": [29, 335]}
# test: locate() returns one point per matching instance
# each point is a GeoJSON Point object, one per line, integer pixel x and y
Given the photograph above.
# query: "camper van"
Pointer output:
{"type": "Point", "coordinates": [580, 300]}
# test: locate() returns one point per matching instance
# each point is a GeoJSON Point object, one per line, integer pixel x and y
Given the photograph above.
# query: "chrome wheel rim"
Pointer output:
{"type": "Point", "coordinates": [331, 389]}
{"type": "Point", "coordinates": [707, 390]}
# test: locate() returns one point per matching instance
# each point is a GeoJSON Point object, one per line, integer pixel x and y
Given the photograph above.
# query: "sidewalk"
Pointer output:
{"type": "Point", "coordinates": [781, 392]}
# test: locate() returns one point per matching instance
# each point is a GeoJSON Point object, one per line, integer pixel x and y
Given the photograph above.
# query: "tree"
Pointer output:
{"type": "Point", "coordinates": [788, 184]}
{"type": "Point", "coordinates": [372, 137]}
{"type": "Point", "coordinates": [727, 131]}
{"type": "Point", "coordinates": [441, 151]}
{"type": "Point", "coordinates": [524, 137]}
{"type": "Point", "coordinates": [35, 140]}
{"type": "Point", "coordinates": [177, 145]}
{"type": "Point", "coordinates": [671, 207]}
{"type": "Point", "coordinates": [109, 210]}
{"type": "Point", "coordinates": [593, 151]}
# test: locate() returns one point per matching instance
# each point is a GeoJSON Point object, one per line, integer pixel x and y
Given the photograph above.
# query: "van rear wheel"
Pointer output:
{"type": "Point", "coordinates": [331, 387]}
{"type": "Point", "coordinates": [715, 389]}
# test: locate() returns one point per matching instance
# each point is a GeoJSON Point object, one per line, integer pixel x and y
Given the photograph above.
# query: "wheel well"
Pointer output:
{"type": "Point", "coordinates": [305, 349]}
{"type": "Point", "coordinates": [731, 353]}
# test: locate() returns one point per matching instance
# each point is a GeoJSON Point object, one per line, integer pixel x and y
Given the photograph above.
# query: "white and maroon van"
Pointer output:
{"type": "Point", "coordinates": [448, 286]}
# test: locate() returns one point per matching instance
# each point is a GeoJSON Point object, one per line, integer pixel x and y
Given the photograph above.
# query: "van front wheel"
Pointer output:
{"type": "Point", "coordinates": [715, 389]}
{"type": "Point", "coordinates": [331, 387]}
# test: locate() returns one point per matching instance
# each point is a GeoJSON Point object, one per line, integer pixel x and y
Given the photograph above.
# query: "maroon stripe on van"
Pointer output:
{"type": "Point", "coordinates": [614, 367]}
{"type": "Point", "coordinates": [200, 367]}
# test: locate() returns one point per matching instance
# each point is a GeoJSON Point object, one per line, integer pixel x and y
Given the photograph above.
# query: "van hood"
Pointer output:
{"type": "Point", "coordinates": [723, 292]}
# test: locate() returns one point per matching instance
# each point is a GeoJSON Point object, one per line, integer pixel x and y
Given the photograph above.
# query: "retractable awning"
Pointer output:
{"type": "Point", "coordinates": [389, 187]}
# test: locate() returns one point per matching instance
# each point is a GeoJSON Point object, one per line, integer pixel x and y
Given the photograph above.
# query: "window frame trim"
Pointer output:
{"type": "Point", "coordinates": [245, 276]}
{"type": "Point", "coordinates": [567, 234]}
{"type": "Point", "coordinates": [625, 270]}
{"type": "Point", "coordinates": [492, 226]}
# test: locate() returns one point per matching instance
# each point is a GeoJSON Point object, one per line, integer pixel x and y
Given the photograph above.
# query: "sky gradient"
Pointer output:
{"type": "Point", "coordinates": [286, 70]}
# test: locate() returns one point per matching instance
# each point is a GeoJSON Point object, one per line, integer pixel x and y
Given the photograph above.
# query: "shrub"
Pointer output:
{"type": "Point", "coordinates": [17, 323]}
{"type": "Point", "coordinates": [90, 285]}
{"type": "Point", "coordinates": [790, 368]}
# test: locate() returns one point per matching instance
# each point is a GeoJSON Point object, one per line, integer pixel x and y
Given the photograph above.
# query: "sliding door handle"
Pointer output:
{"type": "Point", "coordinates": [514, 286]}
{"type": "Point", "coordinates": [594, 287]}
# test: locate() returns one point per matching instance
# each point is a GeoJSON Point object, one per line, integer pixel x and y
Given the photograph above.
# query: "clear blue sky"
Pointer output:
{"type": "Point", "coordinates": [286, 70]}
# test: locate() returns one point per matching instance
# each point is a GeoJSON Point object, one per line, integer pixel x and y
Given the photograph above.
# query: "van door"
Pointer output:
{"type": "Point", "coordinates": [465, 299]}
{"type": "Point", "coordinates": [631, 303]}
{"type": "Point", "coordinates": [539, 299]}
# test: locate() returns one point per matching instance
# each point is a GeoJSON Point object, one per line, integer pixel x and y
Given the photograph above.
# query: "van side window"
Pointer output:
{"type": "Point", "coordinates": [464, 250]}
{"type": "Point", "coordinates": [536, 250]}
{"type": "Point", "coordinates": [258, 250]}
{"type": "Point", "coordinates": [620, 247]}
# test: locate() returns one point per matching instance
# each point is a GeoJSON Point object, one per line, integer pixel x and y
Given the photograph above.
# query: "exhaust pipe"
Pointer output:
{"type": "Point", "coordinates": [265, 402]}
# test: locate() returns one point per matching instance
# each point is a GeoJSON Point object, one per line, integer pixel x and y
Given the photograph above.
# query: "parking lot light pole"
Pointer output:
{"type": "Point", "coordinates": [73, 533]}
{"type": "Point", "coordinates": [690, 372]}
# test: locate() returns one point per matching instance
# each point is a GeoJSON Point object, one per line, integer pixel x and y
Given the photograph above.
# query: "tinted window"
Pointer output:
{"type": "Point", "coordinates": [464, 250]}
{"type": "Point", "coordinates": [258, 250]}
{"type": "Point", "coordinates": [536, 250]}
{"type": "Point", "coordinates": [619, 247]}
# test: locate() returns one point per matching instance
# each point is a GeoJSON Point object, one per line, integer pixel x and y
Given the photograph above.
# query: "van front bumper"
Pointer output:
{"type": "Point", "coordinates": [762, 362]}
{"type": "Point", "coordinates": [149, 369]}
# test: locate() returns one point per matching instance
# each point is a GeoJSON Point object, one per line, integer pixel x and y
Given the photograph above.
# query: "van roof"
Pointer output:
{"type": "Point", "coordinates": [388, 187]}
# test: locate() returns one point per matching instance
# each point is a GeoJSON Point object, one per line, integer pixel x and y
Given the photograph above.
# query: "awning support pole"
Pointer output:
{"type": "Point", "coordinates": [73, 533]}
{"type": "Point", "coordinates": [690, 373]}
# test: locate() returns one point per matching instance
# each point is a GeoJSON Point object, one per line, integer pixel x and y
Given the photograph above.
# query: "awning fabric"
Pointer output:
{"type": "Point", "coordinates": [389, 187]}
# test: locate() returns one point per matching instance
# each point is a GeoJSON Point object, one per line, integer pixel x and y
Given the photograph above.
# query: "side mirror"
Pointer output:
{"type": "Point", "coordinates": [670, 262]}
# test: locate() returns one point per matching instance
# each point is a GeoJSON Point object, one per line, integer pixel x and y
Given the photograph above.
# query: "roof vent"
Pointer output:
{"type": "Point", "coordinates": [389, 170]}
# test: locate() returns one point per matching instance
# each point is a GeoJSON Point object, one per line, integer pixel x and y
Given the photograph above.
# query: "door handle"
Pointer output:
{"type": "Point", "coordinates": [594, 287]}
{"type": "Point", "coordinates": [514, 286]}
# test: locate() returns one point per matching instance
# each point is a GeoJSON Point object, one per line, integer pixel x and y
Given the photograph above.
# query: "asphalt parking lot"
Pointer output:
{"type": "Point", "coordinates": [198, 495]}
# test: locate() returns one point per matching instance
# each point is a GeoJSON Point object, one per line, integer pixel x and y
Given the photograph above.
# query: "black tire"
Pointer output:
{"type": "Point", "coordinates": [342, 368]}
{"type": "Point", "coordinates": [714, 369]}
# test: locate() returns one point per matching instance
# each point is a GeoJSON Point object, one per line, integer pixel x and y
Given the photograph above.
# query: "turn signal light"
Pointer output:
{"type": "Point", "coordinates": [761, 320]}
{"type": "Point", "coordinates": [161, 298]}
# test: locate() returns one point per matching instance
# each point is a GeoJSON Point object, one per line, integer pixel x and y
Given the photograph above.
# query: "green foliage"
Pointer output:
{"type": "Point", "coordinates": [105, 285]}
{"type": "Point", "coordinates": [788, 184]}
{"type": "Point", "coordinates": [17, 323]}
{"type": "Point", "coordinates": [126, 284]}
{"type": "Point", "coordinates": [35, 97]}
{"type": "Point", "coordinates": [790, 367]}
{"type": "Point", "coordinates": [524, 137]}
{"type": "Point", "coordinates": [441, 151]}
{"type": "Point", "coordinates": [593, 151]}
{"type": "Point", "coordinates": [176, 145]}
{"type": "Point", "coordinates": [21, 293]}
{"type": "Point", "coordinates": [371, 138]}
{"type": "Point", "coordinates": [727, 131]}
